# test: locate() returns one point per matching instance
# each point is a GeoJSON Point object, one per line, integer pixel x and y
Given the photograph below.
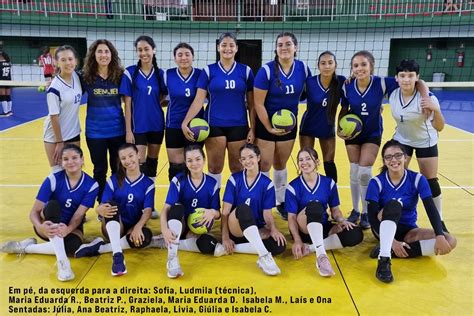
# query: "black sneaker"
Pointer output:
{"type": "Point", "coordinates": [364, 221]}
{"type": "Point", "coordinates": [384, 272]}
{"type": "Point", "coordinates": [374, 253]}
{"type": "Point", "coordinates": [354, 217]}
{"type": "Point", "coordinates": [281, 210]}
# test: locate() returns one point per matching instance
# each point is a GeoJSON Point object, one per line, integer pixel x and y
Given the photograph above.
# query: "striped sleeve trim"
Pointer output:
{"type": "Point", "coordinates": [127, 74]}
{"type": "Point", "coordinates": [379, 184]}
{"type": "Point", "coordinates": [94, 186]}
{"type": "Point", "coordinates": [52, 181]}
{"type": "Point", "coordinates": [267, 71]}
{"type": "Point", "coordinates": [291, 189]}
{"type": "Point", "coordinates": [270, 185]}
{"type": "Point", "coordinates": [417, 179]}
{"type": "Point", "coordinates": [232, 180]}
{"type": "Point", "coordinates": [151, 187]}
{"type": "Point", "coordinates": [110, 184]}
{"type": "Point", "coordinates": [207, 71]}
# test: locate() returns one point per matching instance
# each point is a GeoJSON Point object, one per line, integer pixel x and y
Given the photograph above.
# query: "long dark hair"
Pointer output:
{"type": "Point", "coordinates": [388, 144]}
{"type": "Point", "coordinates": [191, 148]}
{"type": "Point", "coordinates": [277, 62]}
{"type": "Point", "coordinates": [5, 56]}
{"type": "Point", "coordinates": [121, 172]}
{"type": "Point", "coordinates": [334, 91]}
{"type": "Point", "coordinates": [312, 153]}
{"type": "Point", "coordinates": [62, 49]}
{"type": "Point", "coordinates": [91, 67]}
{"type": "Point", "coordinates": [150, 42]}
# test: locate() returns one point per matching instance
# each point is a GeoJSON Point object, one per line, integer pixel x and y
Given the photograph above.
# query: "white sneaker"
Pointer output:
{"type": "Point", "coordinates": [268, 265]}
{"type": "Point", "coordinates": [324, 266]}
{"type": "Point", "coordinates": [173, 267]}
{"type": "Point", "coordinates": [64, 270]}
{"type": "Point", "coordinates": [220, 250]}
{"type": "Point", "coordinates": [17, 246]}
{"type": "Point", "coordinates": [157, 242]}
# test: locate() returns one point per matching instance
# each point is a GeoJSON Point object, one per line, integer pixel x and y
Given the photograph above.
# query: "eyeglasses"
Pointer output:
{"type": "Point", "coordinates": [397, 156]}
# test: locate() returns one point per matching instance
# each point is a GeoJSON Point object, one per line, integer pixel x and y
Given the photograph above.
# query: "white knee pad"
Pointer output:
{"type": "Point", "coordinates": [365, 174]}
{"type": "Point", "coordinates": [354, 172]}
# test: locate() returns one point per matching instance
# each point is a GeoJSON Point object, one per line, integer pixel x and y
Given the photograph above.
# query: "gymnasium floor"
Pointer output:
{"type": "Point", "coordinates": [422, 286]}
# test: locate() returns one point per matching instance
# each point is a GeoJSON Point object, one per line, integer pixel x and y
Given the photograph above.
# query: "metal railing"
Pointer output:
{"type": "Point", "coordinates": [238, 10]}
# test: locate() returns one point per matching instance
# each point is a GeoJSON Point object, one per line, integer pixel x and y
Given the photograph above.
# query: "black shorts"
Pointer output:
{"type": "Point", "coordinates": [174, 138]}
{"type": "Point", "coordinates": [377, 140]}
{"type": "Point", "coordinates": [306, 238]}
{"type": "Point", "coordinates": [422, 152]}
{"type": "Point", "coordinates": [233, 133]}
{"type": "Point", "coordinates": [262, 133]}
{"type": "Point", "coordinates": [149, 138]}
{"type": "Point", "coordinates": [75, 139]}
{"type": "Point", "coordinates": [402, 231]}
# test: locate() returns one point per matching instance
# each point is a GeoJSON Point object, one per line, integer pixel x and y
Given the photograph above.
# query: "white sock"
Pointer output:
{"type": "Point", "coordinates": [217, 176]}
{"type": "Point", "coordinates": [267, 173]}
{"type": "Point", "coordinates": [365, 174]}
{"type": "Point", "coordinates": [56, 168]}
{"type": "Point", "coordinates": [245, 248]}
{"type": "Point", "coordinates": [9, 106]}
{"type": "Point", "coordinates": [428, 247]}
{"type": "Point", "coordinates": [188, 244]}
{"type": "Point", "coordinates": [355, 186]}
{"type": "Point", "coordinates": [176, 227]}
{"type": "Point", "coordinates": [113, 230]}
{"type": "Point", "coordinates": [387, 233]}
{"type": "Point", "coordinates": [280, 179]}
{"type": "Point", "coordinates": [332, 242]}
{"type": "Point", "coordinates": [253, 236]}
{"type": "Point", "coordinates": [108, 247]}
{"type": "Point", "coordinates": [4, 106]}
{"type": "Point", "coordinates": [58, 245]}
{"type": "Point", "coordinates": [45, 248]}
{"type": "Point", "coordinates": [315, 231]}
{"type": "Point", "coordinates": [438, 203]}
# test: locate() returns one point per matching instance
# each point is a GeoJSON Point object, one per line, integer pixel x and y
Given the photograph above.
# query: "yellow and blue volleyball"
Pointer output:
{"type": "Point", "coordinates": [193, 222]}
{"type": "Point", "coordinates": [350, 125]}
{"type": "Point", "coordinates": [200, 129]}
{"type": "Point", "coordinates": [284, 119]}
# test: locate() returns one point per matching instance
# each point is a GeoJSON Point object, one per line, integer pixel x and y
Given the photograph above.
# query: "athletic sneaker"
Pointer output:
{"type": "Point", "coordinates": [9, 113]}
{"type": "Point", "coordinates": [3, 114]}
{"type": "Point", "coordinates": [384, 272]}
{"type": "Point", "coordinates": [89, 250]}
{"type": "Point", "coordinates": [154, 214]}
{"type": "Point", "coordinates": [220, 250]}
{"type": "Point", "coordinates": [324, 266]}
{"type": "Point", "coordinates": [118, 264]}
{"type": "Point", "coordinates": [268, 265]}
{"type": "Point", "coordinates": [364, 221]}
{"type": "Point", "coordinates": [157, 242]}
{"type": "Point", "coordinates": [374, 253]}
{"type": "Point", "coordinates": [173, 267]}
{"type": "Point", "coordinates": [354, 217]}
{"type": "Point", "coordinates": [64, 270]}
{"type": "Point", "coordinates": [17, 246]}
{"type": "Point", "coordinates": [281, 210]}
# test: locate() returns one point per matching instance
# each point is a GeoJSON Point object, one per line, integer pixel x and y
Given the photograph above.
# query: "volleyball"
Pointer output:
{"type": "Point", "coordinates": [284, 119]}
{"type": "Point", "coordinates": [200, 129]}
{"type": "Point", "coordinates": [41, 88]}
{"type": "Point", "coordinates": [350, 125]}
{"type": "Point", "coordinates": [193, 222]}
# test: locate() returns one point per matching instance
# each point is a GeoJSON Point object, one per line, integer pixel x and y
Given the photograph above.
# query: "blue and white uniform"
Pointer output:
{"type": "Point", "coordinates": [260, 195]}
{"type": "Point", "coordinates": [367, 105]}
{"type": "Point", "coordinates": [299, 194]}
{"type": "Point", "coordinates": [412, 185]}
{"type": "Point", "coordinates": [226, 94]}
{"type": "Point", "coordinates": [183, 191]}
{"type": "Point", "coordinates": [132, 197]}
{"type": "Point", "coordinates": [315, 120]}
{"type": "Point", "coordinates": [57, 187]}
{"type": "Point", "coordinates": [145, 91]}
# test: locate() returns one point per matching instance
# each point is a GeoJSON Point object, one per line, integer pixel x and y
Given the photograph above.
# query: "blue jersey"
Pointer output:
{"type": "Point", "coordinates": [382, 191]}
{"type": "Point", "coordinates": [315, 118]}
{"type": "Point", "coordinates": [104, 109]}
{"type": "Point", "coordinates": [298, 194]}
{"type": "Point", "coordinates": [367, 105]}
{"type": "Point", "coordinates": [287, 94]}
{"type": "Point", "coordinates": [226, 93]}
{"type": "Point", "coordinates": [56, 187]}
{"type": "Point", "coordinates": [183, 191]}
{"type": "Point", "coordinates": [147, 114]}
{"type": "Point", "coordinates": [181, 92]}
{"type": "Point", "coordinates": [260, 195]}
{"type": "Point", "coordinates": [132, 197]}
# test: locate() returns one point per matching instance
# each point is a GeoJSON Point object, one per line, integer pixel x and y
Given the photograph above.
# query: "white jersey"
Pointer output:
{"type": "Point", "coordinates": [413, 128]}
{"type": "Point", "coordinates": [63, 100]}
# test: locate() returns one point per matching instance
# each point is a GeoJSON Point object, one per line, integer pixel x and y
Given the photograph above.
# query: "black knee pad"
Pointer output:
{"type": "Point", "coordinates": [244, 214]}
{"type": "Point", "coordinates": [330, 170]}
{"type": "Point", "coordinates": [116, 217]}
{"type": "Point", "coordinates": [434, 186]}
{"type": "Point", "coordinates": [392, 211]}
{"type": "Point", "coordinates": [415, 249]}
{"type": "Point", "coordinates": [8, 98]}
{"type": "Point", "coordinates": [273, 246]}
{"type": "Point", "coordinates": [148, 235]}
{"type": "Point", "coordinates": [206, 244]}
{"type": "Point", "coordinates": [314, 212]}
{"type": "Point", "coordinates": [72, 242]}
{"type": "Point", "coordinates": [151, 166]}
{"type": "Point", "coordinates": [176, 212]}
{"type": "Point", "coordinates": [52, 211]}
{"type": "Point", "coordinates": [174, 169]}
{"type": "Point", "coordinates": [351, 238]}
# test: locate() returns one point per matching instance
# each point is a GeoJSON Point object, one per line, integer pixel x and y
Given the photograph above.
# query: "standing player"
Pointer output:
{"type": "Point", "coordinates": [416, 130]}
{"type": "Point", "coordinates": [278, 85]}
{"type": "Point", "coordinates": [62, 126]}
{"type": "Point", "coordinates": [5, 92]}
{"type": "Point", "coordinates": [392, 197]}
{"type": "Point", "coordinates": [229, 87]}
{"type": "Point", "coordinates": [142, 87]}
{"type": "Point", "coordinates": [126, 206]}
{"type": "Point", "coordinates": [247, 221]}
{"type": "Point", "coordinates": [181, 84]}
{"type": "Point", "coordinates": [323, 94]}
{"type": "Point", "coordinates": [45, 60]}
{"type": "Point", "coordinates": [307, 199]}
{"type": "Point", "coordinates": [58, 212]}
{"type": "Point", "coordinates": [105, 124]}
{"type": "Point", "coordinates": [188, 191]}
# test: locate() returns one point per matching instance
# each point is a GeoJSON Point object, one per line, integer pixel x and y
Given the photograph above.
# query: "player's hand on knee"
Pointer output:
{"type": "Point", "coordinates": [136, 236]}
{"type": "Point", "coordinates": [228, 244]}
{"type": "Point", "coordinates": [278, 237]}
{"type": "Point", "coordinates": [49, 229]}
{"type": "Point", "coordinates": [399, 248]}
{"type": "Point", "coordinates": [442, 246]}
{"type": "Point", "coordinates": [298, 250]}
{"type": "Point", "coordinates": [168, 236]}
